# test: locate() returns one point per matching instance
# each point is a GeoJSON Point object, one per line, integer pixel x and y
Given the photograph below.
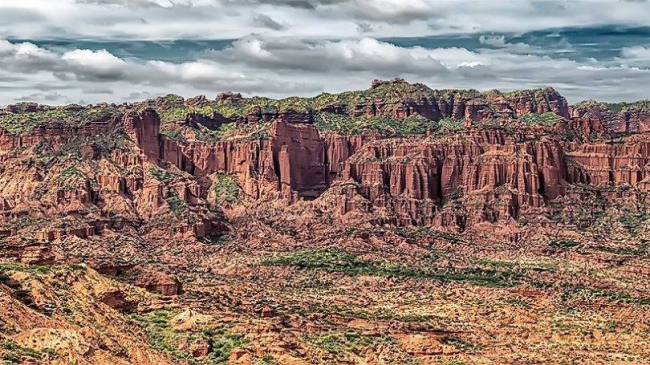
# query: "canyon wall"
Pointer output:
{"type": "Point", "coordinates": [496, 175]}
{"type": "Point", "coordinates": [118, 166]}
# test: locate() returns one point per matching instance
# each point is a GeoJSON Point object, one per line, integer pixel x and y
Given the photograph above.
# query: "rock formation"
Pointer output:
{"type": "Point", "coordinates": [495, 161]}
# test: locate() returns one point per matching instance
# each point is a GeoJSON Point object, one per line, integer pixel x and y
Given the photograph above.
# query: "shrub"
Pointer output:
{"type": "Point", "coordinates": [162, 175]}
{"type": "Point", "coordinates": [226, 189]}
{"type": "Point", "coordinates": [175, 203]}
{"type": "Point", "coordinates": [548, 118]}
{"type": "Point", "coordinates": [450, 125]}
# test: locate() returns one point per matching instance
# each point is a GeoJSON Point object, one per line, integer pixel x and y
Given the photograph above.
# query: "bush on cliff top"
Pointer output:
{"type": "Point", "coordinates": [383, 125]}
{"type": "Point", "coordinates": [22, 122]}
{"type": "Point", "coordinates": [548, 118]}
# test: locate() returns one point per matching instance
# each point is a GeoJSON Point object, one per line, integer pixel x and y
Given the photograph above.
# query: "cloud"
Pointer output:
{"type": "Point", "coordinates": [99, 90]}
{"type": "Point", "coordinates": [500, 42]}
{"type": "Point", "coordinates": [43, 97]}
{"type": "Point", "coordinates": [94, 65]}
{"type": "Point", "coordinates": [366, 54]}
{"type": "Point", "coordinates": [12, 16]}
{"type": "Point", "coordinates": [324, 19]}
{"type": "Point", "coordinates": [266, 21]}
{"type": "Point", "coordinates": [638, 56]}
{"type": "Point", "coordinates": [146, 3]}
{"type": "Point", "coordinates": [392, 11]}
{"type": "Point", "coordinates": [281, 67]}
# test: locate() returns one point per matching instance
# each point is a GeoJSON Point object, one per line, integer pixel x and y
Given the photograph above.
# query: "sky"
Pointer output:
{"type": "Point", "coordinates": [88, 51]}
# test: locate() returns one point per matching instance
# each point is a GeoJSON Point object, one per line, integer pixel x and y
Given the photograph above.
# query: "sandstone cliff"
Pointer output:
{"type": "Point", "coordinates": [418, 156]}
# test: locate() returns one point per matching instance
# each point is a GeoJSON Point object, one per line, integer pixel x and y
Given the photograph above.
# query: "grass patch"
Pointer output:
{"type": "Point", "coordinates": [450, 125]}
{"type": "Point", "coordinates": [25, 117]}
{"type": "Point", "coordinates": [383, 125]}
{"type": "Point", "coordinates": [336, 261]}
{"type": "Point", "coordinates": [33, 269]}
{"type": "Point", "coordinates": [266, 360]}
{"type": "Point", "coordinates": [460, 344]}
{"type": "Point", "coordinates": [632, 221]}
{"type": "Point", "coordinates": [641, 251]}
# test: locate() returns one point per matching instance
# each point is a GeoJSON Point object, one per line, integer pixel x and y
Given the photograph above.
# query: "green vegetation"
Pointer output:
{"type": "Point", "coordinates": [620, 107]}
{"type": "Point", "coordinates": [331, 111]}
{"type": "Point", "coordinates": [581, 292]}
{"type": "Point", "coordinates": [633, 220]}
{"type": "Point", "coordinates": [266, 360]}
{"type": "Point", "coordinates": [231, 108]}
{"type": "Point", "coordinates": [69, 174]}
{"type": "Point", "coordinates": [173, 134]}
{"type": "Point", "coordinates": [406, 232]}
{"type": "Point", "coordinates": [16, 354]}
{"type": "Point", "coordinates": [223, 345]}
{"type": "Point", "coordinates": [641, 251]}
{"type": "Point", "coordinates": [24, 118]}
{"type": "Point", "coordinates": [226, 189]}
{"type": "Point", "coordinates": [175, 203]}
{"type": "Point", "coordinates": [383, 125]}
{"type": "Point", "coordinates": [336, 261]}
{"type": "Point", "coordinates": [548, 118]}
{"type": "Point", "coordinates": [162, 175]}
{"type": "Point", "coordinates": [33, 269]}
{"type": "Point", "coordinates": [450, 125]}
{"type": "Point", "coordinates": [563, 243]}
{"type": "Point", "coordinates": [460, 344]}
{"type": "Point", "coordinates": [166, 339]}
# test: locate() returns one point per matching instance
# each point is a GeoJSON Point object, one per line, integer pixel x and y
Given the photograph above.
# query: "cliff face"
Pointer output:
{"type": "Point", "coordinates": [118, 169]}
{"type": "Point", "coordinates": [290, 160]}
{"type": "Point", "coordinates": [83, 180]}
{"type": "Point", "coordinates": [434, 104]}
{"type": "Point", "coordinates": [631, 118]}
{"type": "Point", "coordinates": [497, 175]}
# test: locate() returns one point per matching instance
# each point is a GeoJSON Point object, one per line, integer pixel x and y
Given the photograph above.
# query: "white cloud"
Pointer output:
{"type": "Point", "coordinates": [283, 67]}
{"type": "Point", "coordinates": [366, 54]}
{"type": "Point", "coordinates": [94, 64]}
{"type": "Point", "coordinates": [325, 19]}
{"type": "Point", "coordinates": [638, 56]}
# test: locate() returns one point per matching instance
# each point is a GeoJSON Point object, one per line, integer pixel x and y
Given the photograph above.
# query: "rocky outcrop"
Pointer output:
{"type": "Point", "coordinates": [299, 154]}
{"type": "Point", "coordinates": [155, 281]}
{"type": "Point", "coordinates": [339, 148]}
{"type": "Point", "coordinates": [493, 175]}
{"type": "Point", "coordinates": [74, 180]}
{"type": "Point", "coordinates": [483, 173]}
{"type": "Point", "coordinates": [631, 118]}
{"type": "Point", "coordinates": [419, 100]}
{"type": "Point", "coordinates": [292, 159]}
{"type": "Point", "coordinates": [144, 129]}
